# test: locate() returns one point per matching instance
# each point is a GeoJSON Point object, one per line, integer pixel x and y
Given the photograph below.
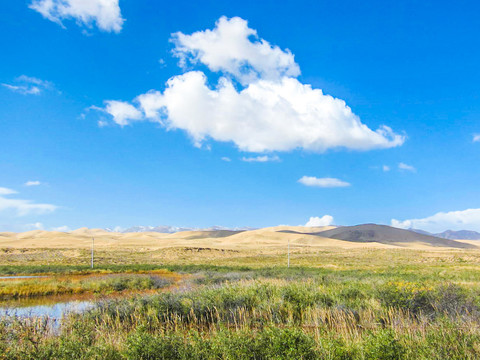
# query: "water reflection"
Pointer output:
{"type": "Point", "coordinates": [21, 277]}
{"type": "Point", "coordinates": [55, 307]}
{"type": "Point", "coordinates": [53, 311]}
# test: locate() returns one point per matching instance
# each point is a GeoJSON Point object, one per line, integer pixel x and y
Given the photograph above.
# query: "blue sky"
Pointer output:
{"type": "Point", "coordinates": [92, 135]}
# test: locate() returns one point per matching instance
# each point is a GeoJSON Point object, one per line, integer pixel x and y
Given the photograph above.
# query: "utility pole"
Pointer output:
{"type": "Point", "coordinates": [288, 261]}
{"type": "Point", "coordinates": [93, 244]}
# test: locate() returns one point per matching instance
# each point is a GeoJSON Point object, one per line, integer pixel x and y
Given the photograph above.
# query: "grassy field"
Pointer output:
{"type": "Point", "coordinates": [94, 283]}
{"type": "Point", "coordinates": [331, 304]}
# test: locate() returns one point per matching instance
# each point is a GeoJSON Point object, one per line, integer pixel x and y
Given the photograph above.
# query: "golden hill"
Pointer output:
{"type": "Point", "coordinates": [261, 239]}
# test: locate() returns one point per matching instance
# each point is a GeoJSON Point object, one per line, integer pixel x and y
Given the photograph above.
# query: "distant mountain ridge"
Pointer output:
{"type": "Point", "coordinates": [274, 238]}
{"type": "Point", "coordinates": [388, 235]}
{"type": "Point", "coordinates": [452, 234]}
{"type": "Point", "coordinates": [460, 235]}
{"type": "Point", "coordinates": [165, 229]}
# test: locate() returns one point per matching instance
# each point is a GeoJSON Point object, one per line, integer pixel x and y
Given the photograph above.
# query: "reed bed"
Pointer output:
{"type": "Point", "coordinates": [94, 283]}
{"type": "Point", "coordinates": [264, 318]}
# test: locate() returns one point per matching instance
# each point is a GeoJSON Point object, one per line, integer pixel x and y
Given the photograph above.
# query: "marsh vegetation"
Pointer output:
{"type": "Point", "coordinates": [425, 307]}
{"type": "Point", "coordinates": [103, 283]}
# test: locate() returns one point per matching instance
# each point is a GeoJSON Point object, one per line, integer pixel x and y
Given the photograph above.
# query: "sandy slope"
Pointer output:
{"type": "Point", "coordinates": [267, 238]}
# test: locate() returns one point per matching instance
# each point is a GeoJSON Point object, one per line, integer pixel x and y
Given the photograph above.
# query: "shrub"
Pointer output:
{"type": "Point", "coordinates": [408, 296]}
{"type": "Point", "coordinates": [271, 343]}
{"type": "Point", "coordinates": [448, 299]}
{"type": "Point", "coordinates": [383, 345]}
{"type": "Point", "coordinates": [452, 300]}
{"type": "Point", "coordinates": [275, 343]}
{"type": "Point", "coordinates": [144, 346]}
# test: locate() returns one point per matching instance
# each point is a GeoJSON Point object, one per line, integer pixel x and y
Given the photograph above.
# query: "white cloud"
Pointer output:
{"type": "Point", "coordinates": [227, 159]}
{"type": "Point", "coordinates": [102, 123]}
{"type": "Point", "coordinates": [234, 48]}
{"type": "Point", "coordinates": [265, 116]}
{"type": "Point", "coordinates": [22, 207]}
{"type": "Point", "coordinates": [6, 191]}
{"type": "Point", "coordinates": [64, 228]}
{"type": "Point", "coordinates": [263, 158]}
{"type": "Point", "coordinates": [122, 113]}
{"type": "Point", "coordinates": [34, 226]}
{"type": "Point", "coordinates": [403, 166]}
{"type": "Point", "coordinates": [34, 80]}
{"type": "Point", "coordinates": [33, 183]}
{"type": "Point", "coordinates": [13, 227]}
{"type": "Point", "coordinates": [105, 13]}
{"type": "Point", "coordinates": [320, 221]}
{"type": "Point", "coordinates": [22, 89]}
{"type": "Point", "coordinates": [28, 85]}
{"type": "Point", "coordinates": [476, 138]}
{"type": "Point", "coordinates": [118, 229]}
{"type": "Point", "coordinates": [272, 111]}
{"type": "Point", "coordinates": [322, 182]}
{"type": "Point", "coordinates": [454, 220]}
{"type": "Point", "coordinates": [385, 168]}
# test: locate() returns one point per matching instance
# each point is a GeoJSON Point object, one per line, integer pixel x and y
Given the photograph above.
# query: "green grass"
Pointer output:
{"type": "Point", "coordinates": [264, 319]}
{"type": "Point", "coordinates": [361, 305]}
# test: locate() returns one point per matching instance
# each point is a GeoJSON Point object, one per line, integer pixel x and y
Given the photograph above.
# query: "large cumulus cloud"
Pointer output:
{"type": "Point", "coordinates": [258, 102]}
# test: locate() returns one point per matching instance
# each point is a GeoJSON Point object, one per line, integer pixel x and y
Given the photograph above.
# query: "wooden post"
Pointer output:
{"type": "Point", "coordinates": [93, 244]}
{"type": "Point", "coordinates": [288, 261]}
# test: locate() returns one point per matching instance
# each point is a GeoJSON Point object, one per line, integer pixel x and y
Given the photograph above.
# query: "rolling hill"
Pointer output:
{"type": "Point", "coordinates": [389, 235]}
{"type": "Point", "coordinates": [266, 239]}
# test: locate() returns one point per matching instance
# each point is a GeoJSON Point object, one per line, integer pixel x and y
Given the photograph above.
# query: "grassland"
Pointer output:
{"type": "Point", "coordinates": [91, 283]}
{"type": "Point", "coordinates": [333, 303]}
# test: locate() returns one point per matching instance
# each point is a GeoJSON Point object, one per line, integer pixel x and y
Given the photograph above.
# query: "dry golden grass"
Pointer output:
{"type": "Point", "coordinates": [256, 248]}
{"type": "Point", "coordinates": [357, 298]}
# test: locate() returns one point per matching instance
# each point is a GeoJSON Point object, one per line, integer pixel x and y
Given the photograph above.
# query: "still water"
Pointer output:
{"type": "Point", "coordinates": [41, 307]}
{"type": "Point", "coordinates": [55, 307]}
{"type": "Point", "coordinates": [54, 311]}
{"type": "Point", "coordinates": [21, 277]}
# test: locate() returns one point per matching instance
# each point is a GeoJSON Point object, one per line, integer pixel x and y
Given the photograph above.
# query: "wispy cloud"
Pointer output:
{"type": "Point", "coordinates": [63, 228]}
{"type": "Point", "coordinates": [34, 226]}
{"type": "Point", "coordinates": [15, 227]}
{"type": "Point", "coordinates": [225, 158]}
{"type": "Point", "coordinates": [22, 207]}
{"type": "Point", "coordinates": [102, 123]}
{"type": "Point", "coordinates": [263, 158]}
{"type": "Point", "coordinates": [403, 166]}
{"type": "Point", "coordinates": [476, 138]}
{"type": "Point", "coordinates": [104, 13]}
{"type": "Point", "coordinates": [6, 191]}
{"type": "Point", "coordinates": [28, 85]}
{"type": "Point", "coordinates": [322, 182]}
{"type": "Point", "coordinates": [32, 183]}
{"type": "Point", "coordinates": [25, 90]}
{"type": "Point", "coordinates": [385, 168]}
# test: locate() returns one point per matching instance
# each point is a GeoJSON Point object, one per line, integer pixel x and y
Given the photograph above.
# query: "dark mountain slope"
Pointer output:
{"type": "Point", "coordinates": [388, 235]}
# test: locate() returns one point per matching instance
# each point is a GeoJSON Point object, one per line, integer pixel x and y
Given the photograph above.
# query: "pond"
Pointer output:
{"type": "Point", "coordinates": [54, 311]}
{"type": "Point", "coordinates": [21, 277]}
{"type": "Point", "coordinates": [91, 289]}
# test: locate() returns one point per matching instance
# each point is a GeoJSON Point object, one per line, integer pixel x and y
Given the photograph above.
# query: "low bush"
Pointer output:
{"type": "Point", "coordinates": [421, 299]}
{"type": "Point", "coordinates": [384, 345]}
